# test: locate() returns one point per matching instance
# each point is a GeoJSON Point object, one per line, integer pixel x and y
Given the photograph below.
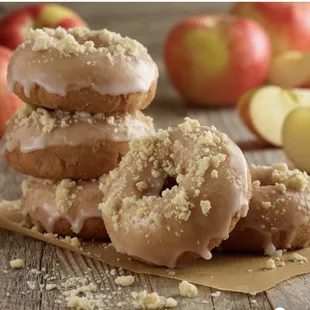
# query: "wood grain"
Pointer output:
{"type": "Point", "coordinates": [148, 23]}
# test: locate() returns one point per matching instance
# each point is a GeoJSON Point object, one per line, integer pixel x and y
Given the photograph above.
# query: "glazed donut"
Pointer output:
{"type": "Point", "coordinates": [65, 207]}
{"type": "Point", "coordinates": [279, 213]}
{"type": "Point", "coordinates": [83, 70]}
{"type": "Point", "coordinates": [176, 195]}
{"type": "Point", "coordinates": [64, 145]}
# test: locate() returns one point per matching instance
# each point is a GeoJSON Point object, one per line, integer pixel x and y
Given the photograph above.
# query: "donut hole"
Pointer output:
{"type": "Point", "coordinates": [168, 184]}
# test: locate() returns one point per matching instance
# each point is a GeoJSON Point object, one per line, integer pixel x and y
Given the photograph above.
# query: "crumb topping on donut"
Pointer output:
{"type": "Point", "coordinates": [47, 120]}
{"type": "Point", "coordinates": [284, 178]}
{"type": "Point", "coordinates": [64, 197]}
{"type": "Point", "coordinates": [82, 41]}
{"type": "Point", "coordinates": [161, 183]}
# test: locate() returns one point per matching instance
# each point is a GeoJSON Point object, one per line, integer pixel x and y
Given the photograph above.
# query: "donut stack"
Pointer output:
{"type": "Point", "coordinates": [83, 91]}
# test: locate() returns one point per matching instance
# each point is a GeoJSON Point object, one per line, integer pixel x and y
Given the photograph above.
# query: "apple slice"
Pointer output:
{"type": "Point", "coordinates": [291, 69]}
{"type": "Point", "coordinates": [264, 110]}
{"type": "Point", "coordinates": [295, 135]}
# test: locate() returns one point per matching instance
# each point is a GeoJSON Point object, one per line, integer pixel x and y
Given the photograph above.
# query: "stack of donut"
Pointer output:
{"type": "Point", "coordinates": [83, 92]}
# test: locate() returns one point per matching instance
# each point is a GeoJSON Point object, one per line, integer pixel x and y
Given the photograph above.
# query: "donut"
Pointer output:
{"type": "Point", "coordinates": [176, 195]}
{"type": "Point", "coordinates": [83, 70]}
{"type": "Point", "coordinates": [65, 145]}
{"type": "Point", "coordinates": [65, 208]}
{"type": "Point", "coordinates": [279, 212]}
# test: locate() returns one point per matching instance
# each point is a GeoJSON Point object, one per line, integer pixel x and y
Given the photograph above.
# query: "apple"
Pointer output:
{"type": "Point", "coordinates": [9, 103]}
{"type": "Point", "coordinates": [287, 24]}
{"type": "Point", "coordinates": [295, 133]}
{"type": "Point", "coordinates": [291, 69]}
{"type": "Point", "coordinates": [214, 59]}
{"type": "Point", "coordinates": [264, 110]}
{"type": "Point", "coordinates": [15, 25]}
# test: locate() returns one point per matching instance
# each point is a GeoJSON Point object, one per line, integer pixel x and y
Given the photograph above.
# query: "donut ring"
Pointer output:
{"type": "Point", "coordinates": [66, 207]}
{"type": "Point", "coordinates": [83, 70]}
{"type": "Point", "coordinates": [62, 145]}
{"type": "Point", "coordinates": [179, 192]}
{"type": "Point", "coordinates": [279, 213]}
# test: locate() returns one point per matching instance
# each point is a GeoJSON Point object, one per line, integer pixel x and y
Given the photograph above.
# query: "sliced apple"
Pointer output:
{"type": "Point", "coordinates": [295, 135]}
{"type": "Point", "coordinates": [291, 69]}
{"type": "Point", "coordinates": [264, 110]}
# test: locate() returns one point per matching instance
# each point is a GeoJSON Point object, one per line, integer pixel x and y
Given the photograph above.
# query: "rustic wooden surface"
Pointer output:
{"type": "Point", "coordinates": [149, 23]}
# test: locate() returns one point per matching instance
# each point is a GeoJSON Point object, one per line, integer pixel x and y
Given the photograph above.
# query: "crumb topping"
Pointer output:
{"type": "Point", "coordinates": [79, 41]}
{"type": "Point", "coordinates": [281, 177]}
{"type": "Point", "coordinates": [64, 199]}
{"type": "Point", "coordinates": [270, 264]}
{"type": "Point", "coordinates": [17, 263]}
{"type": "Point", "coordinates": [297, 258]}
{"type": "Point", "coordinates": [187, 289]}
{"type": "Point", "coordinates": [48, 120]}
{"type": "Point", "coordinates": [291, 179]}
{"type": "Point", "coordinates": [205, 206]}
{"type": "Point", "coordinates": [125, 280]}
{"type": "Point", "coordinates": [153, 301]}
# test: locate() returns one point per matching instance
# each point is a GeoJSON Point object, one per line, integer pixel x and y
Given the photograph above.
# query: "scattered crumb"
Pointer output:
{"type": "Point", "coordinates": [187, 289]}
{"type": "Point", "coordinates": [31, 284]}
{"type": "Point", "coordinates": [17, 263]}
{"type": "Point", "coordinates": [50, 286]}
{"type": "Point", "coordinates": [134, 295]}
{"type": "Point", "coordinates": [73, 241]}
{"type": "Point", "coordinates": [35, 271]}
{"type": "Point", "coordinates": [297, 258]}
{"type": "Point", "coordinates": [125, 280]}
{"type": "Point", "coordinates": [216, 294]}
{"type": "Point", "coordinates": [270, 264]}
{"type": "Point", "coordinates": [113, 272]}
{"type": "Point", "coordinates": [153, 301]}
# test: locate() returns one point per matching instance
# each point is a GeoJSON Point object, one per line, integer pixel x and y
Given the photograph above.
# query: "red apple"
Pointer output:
{"type": "Point", "coordinates": [287, 24]}
{"type": "Point", "coordinates": [15, 25]}
{"type": "Point", "coordinates": [9, 103]}
{"type": "Point", "coordinates": [213, 60]}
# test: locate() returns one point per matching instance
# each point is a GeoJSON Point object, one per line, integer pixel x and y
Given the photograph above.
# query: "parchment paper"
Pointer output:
{"type": "Point", "coordinates": [225, 271]}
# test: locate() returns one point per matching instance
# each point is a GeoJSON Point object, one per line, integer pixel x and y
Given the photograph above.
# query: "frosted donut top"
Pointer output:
{"type": "Point", "coordinates": [60, 60]}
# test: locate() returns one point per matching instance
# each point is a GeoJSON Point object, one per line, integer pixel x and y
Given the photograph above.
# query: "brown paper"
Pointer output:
{"type": "Point", "coordinates": [225, 271]}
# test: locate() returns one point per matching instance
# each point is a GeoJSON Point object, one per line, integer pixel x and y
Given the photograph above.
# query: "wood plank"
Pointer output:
{"type": "Point", "coordinates": [14, 282]}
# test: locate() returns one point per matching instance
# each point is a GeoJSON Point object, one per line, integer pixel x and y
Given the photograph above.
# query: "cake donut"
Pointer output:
{"type": "Point", "coordinates": [176, 195]}
{"type": "Point", "coordinates": [279, 213]}
{"type": "Point", "coordinates": [65, 145]}
{"type": "Point", "coordinates": [66, 207]}
{"type": "Point", "coordinates": [83, 70]}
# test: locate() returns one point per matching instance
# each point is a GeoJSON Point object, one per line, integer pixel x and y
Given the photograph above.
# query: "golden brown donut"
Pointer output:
{"type": "Point", "coordinates": [66, 208]}
{"type": "Point", "coordinates": [64, 145]}
{"type": "Point", "coordinates": [279, 213]}
{"type": "Point", "coordinates": [83, 70]}
{"type": "Point", "coordinates": [176, 195]}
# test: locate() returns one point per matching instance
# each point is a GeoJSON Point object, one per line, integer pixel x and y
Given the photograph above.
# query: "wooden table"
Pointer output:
{"type": "Point", "coordinates": [148, 23]}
